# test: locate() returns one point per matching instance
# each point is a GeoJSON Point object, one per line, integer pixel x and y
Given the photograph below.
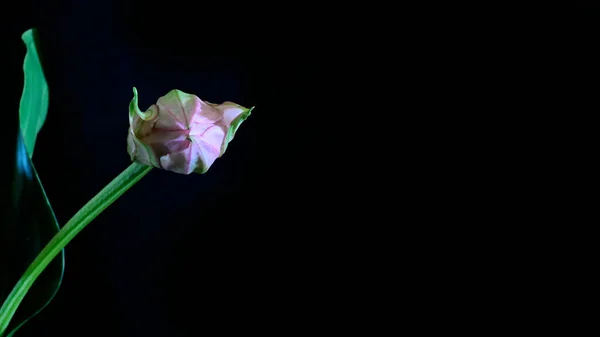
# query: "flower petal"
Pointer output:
{"type": "Point", "coordinates": [176, 110]}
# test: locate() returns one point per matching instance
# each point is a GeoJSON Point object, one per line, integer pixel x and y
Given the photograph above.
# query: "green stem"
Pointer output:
{"type": "Point", "coordinates": [84, 216]}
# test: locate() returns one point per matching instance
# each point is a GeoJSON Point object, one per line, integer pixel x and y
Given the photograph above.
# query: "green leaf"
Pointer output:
{"type": "Point", "coordinates": [34, 101]}
{"type": "Point", "coordinates": [28, 223]}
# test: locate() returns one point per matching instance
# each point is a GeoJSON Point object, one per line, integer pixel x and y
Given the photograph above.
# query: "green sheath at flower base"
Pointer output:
{"type": "Point", "coordinates": [135, 110]}
{"type": "Point", "coordinates": [182, 133]}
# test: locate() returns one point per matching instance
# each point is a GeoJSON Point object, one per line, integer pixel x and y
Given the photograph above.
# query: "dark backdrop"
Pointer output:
{"type": "Point", "coordinates": [273, 238]}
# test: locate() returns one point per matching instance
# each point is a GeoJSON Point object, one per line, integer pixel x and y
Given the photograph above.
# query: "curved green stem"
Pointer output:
{"type": "Point", "coordinates": [84, 216]}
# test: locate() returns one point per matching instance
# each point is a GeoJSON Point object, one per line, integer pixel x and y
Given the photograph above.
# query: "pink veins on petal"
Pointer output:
{"type": "Point", "coordinates": [182, 148]}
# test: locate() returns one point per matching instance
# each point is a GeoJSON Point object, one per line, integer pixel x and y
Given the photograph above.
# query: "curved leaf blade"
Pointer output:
{"type": "Point", "coordinates": [34, 101]}
{"type": "Point", "coordinates": [29, 223]}
{"type": "Point", "coordinates": [33, 225]}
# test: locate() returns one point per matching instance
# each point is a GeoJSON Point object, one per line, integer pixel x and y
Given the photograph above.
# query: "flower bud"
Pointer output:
{"type": "Point", "coordinates": [182, 133]}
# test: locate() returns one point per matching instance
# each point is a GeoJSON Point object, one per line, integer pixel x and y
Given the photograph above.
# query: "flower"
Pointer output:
{"type": "Point", "coordinates": [182, 133]}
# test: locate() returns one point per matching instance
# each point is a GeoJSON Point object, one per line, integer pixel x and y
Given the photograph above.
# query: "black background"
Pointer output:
{"type": "Point", "coordinates": [273, 237]}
